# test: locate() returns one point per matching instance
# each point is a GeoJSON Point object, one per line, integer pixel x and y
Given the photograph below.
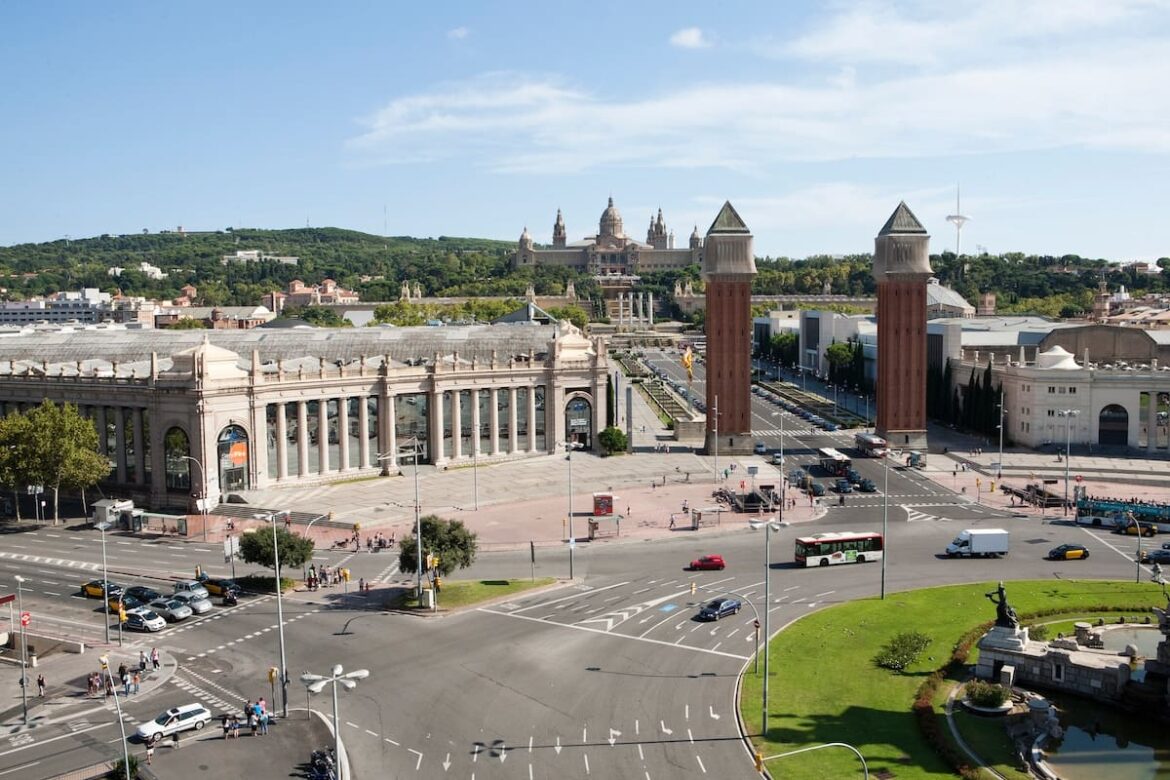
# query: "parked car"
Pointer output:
{"type": "Point", "coordinates": [708, 562]}
{"type": "Point", "coordinates": [777, 459]}
{"type": "Point", "coordinates": [171, 609]}
{"type": "Point", "coordinates": [176, 719]}
{"type": "Point", "coordinates": [218, 587]}
{"type": "Point", "coordinates": [143, 619]}
{"type": "Point", "coordinates": [95, 589]}
{"type": "Point", "coordinates": [717, 608]}
{"type": "Point", "coordinates": [198, 604]}
{"type": "Point", "coordinates": [191, 587]}
{"type": "Point", "coordinates": [830, 426]}
{"type": "Point", "coordinates": [143, 593]}
{"type": "Point", "coordinates": [843, 486]}
{"type": "Point", "coordinates": [121, 600]}
{"type": "Point", "coordinates": [1069, 552]}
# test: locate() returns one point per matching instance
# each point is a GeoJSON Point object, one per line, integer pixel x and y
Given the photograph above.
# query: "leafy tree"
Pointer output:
{"type": "Point", "coordinates": [187, 323]}
{"type": "Point", "coordinates": [609, 401]}
{"type": "Point", "coordinates": [15, 457]}
{"type": "Point", "coordinates": [839, 354]}
{"type": "Point", "coordinates": [295, 550]}
{"type": "Point", "coordinates": [61, 450]}
{"type": "Point", "coordinates": [612, 440]}
{"type": "Point", "coordinates": [574, 314]}
{"type": "Point", "coordinates": [319, 316]}
{"type": "Point", "coordinates": [449, 539]}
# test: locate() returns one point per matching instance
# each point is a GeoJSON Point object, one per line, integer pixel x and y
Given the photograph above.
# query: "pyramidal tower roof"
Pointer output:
{"type": "Point", "coordinates": [902, 221]}
{"type": "Point", "coordinates": [728, 221]}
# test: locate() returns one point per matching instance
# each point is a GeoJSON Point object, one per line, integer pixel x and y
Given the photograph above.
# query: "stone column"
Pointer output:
{"type": "Point", "coordinates": [281, 442]}
{"type": "Point", "coordinates": [389, 438]}
{"type": "Point", "coordinates": [456, 425]}
{"type": "Point", "coordinates": [650, 309]}
{"type": "Point", "coordinates": [302, 439]}
{"type": "Point", "coordinates": [435, 407]}
{"type": "Point", "coordinates": [343, 433]}
{"type": "Point", "coordinates": [120, 442]}
{"type": "Point", "coordinates": [139, 455]}
{"type": "Point", "coordinates": [475, 422]}
{"type": "Point", "coordinates": [637, 309]}
{"type": "Point", "coordinates": [363, 432]}
{"type": "Point", "coordinates": [103, 441]}
{"type": "Point", "coordinates": [621, 310]}
{"type": "Point", "coordinates": [323, 436]}
{"type": "Point", "coordinates": [513, 420]}
{"type": "Point", "coordinates": [532, 417]}
{"type": "Point", "coordinates": [494, 418]}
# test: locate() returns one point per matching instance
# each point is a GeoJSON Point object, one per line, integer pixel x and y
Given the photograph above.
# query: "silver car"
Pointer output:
{"type": "Point", "coordinates": [198, 604]}
{"type": "Point", "coordinates": [192, 587]}
{"type": "Point", "coordinates": [172, 609]}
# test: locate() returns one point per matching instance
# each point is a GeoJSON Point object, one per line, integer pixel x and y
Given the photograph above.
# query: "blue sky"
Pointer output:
{"type": "Point", "coordinates": [478, 119]}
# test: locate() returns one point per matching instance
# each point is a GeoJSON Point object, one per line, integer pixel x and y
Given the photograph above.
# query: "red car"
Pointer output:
{"type": "Point", "coordinates": [708, 562]}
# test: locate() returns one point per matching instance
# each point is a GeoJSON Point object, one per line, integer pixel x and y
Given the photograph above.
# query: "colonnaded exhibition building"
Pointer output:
{"type": "Point", "coordinates": [269, 407]}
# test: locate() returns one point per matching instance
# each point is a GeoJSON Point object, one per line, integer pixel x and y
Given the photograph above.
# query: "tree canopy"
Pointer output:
{"type": "Point", "coordinates": [256, 547]}
{"type": "Point", "coordinates": [451, 540]}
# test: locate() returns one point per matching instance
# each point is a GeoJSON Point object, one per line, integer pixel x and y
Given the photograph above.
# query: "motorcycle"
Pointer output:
{"type": "Point", "coordinates": [230, 599]}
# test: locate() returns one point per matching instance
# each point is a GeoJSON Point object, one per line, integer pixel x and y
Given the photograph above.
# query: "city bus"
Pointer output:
{"type": "Point", "coordinates": [870, 445]}
{"type": "Point", "coordinates": [838, 547]}
{"type": "Point", "coordinates": [1115, 513]}
{"type": "Point", "coordinates": [834, 462]}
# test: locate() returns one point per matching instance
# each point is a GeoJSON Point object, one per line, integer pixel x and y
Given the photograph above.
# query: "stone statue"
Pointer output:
{"type": "Point", "coordinates": [1005, 616]}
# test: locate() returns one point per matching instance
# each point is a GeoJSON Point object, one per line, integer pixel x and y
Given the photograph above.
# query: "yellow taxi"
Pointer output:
{"type": "Point", "coordinates": [1068, 552]}
{"type": "Point", "coordinates": [95, 589]}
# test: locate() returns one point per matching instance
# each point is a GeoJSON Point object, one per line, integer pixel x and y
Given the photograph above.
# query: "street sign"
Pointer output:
{"type": "Point", "coordinates": [25, 619]}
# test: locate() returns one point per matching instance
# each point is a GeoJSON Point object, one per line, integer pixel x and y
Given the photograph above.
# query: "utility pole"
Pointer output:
{"type": "Point", "coordinates": [715, 436]}
{"type": "Point", "coordinates": [999, 470]}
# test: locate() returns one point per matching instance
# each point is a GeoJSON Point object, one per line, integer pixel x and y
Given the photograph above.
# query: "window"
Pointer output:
{"type": "Point", "coordinates": [1072, 391]}
{"type": "Point", "coordinates": [1051, 412]}
{"type": "Point", "coordinates": [1058, 672]}
{"type": "Point", "coordinates": [1062, 390]}
{"type": "Point", "coordinates": [1051, 389]}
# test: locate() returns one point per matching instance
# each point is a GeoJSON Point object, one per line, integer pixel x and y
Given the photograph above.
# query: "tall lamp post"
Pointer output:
{"type": "Point", "coordinates": [769, 526]}
{"type": "Point", "coordinates": [885, 517]}
{"type": "Point", "coordinates": [23, 647]}
{"type": "Point", "coordinates": [272, 518]}
{"type": "Point", "coordinates": [203, 492]}
{"type": "Point", "coordinates": [569, 447]}
{"type": "Point", "coordinates": [102, 526]}
{"type": "Point", "coordinates": [1002, 412]}
{"type": "Point", "coordinates": [105, 662]}
{"type": "Point", "coordinates": [338, 676]}
{"type": "Point", "coordinates": [1068, 415]}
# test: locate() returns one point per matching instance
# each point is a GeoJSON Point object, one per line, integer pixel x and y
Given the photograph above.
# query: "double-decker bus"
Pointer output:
{"type": "Point", "coordinates": [834, 462]}
{"type": "Point", "coordinates": [871, 445]}
{"type": "Point", "coordinates": [1118, 513]}
{"type": "Point", "coordinates": [831, 548]}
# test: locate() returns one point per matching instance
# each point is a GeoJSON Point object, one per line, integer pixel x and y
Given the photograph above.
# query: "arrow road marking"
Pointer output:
{"type": "Point", "coordinates": [447, 762]}
{"type": "Point", "coordinates": [711, 710]}
{"type": "Point", "coordinates": [665, 730]}
{"type": "Point", "coordinates": [613, 735]}
{"type": "Point", "coordinates": [558, 746]}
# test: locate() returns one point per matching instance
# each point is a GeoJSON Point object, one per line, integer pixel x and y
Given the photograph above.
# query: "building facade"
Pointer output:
{"type": "Point", "coordinates": [266, 408]}
{"type": "Point", "coordinates": [610, 252]}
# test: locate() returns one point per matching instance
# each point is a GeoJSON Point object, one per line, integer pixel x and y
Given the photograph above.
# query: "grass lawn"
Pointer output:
{"type": "Point", "coordinates": [987, 737]}
{"type": "Point", "coordinates": [465, 593]}
{"type": "Point", "coordinates": [826, 688]}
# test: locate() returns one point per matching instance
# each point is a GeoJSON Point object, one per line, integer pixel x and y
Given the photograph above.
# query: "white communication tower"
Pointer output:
{"type": "Point", "coordinates": [958, 220]}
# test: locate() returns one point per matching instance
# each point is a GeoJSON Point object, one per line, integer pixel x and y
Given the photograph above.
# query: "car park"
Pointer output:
{"type": "Point", "coordinates": [218, 587]}
{"type": "Point", "coordinates": [1068, 552]}
{"type": "Point", "coordinates": [143, 593]}
{"type": "Point", "coordinates": [708, 562]}
{"type": "Point", "coordinates": [1159, 556]}
{"type": "Point", "coordinates": [198, 604]}
{"type": "Point", "coordinates": [171, 609]}
{"type": "Point", "coordinates": [97, 588]}
{"type": "Point", "coordinates": [143, 619]}
{"type": "Point", "coordinates": [176, 719]}
{"type": "Point", "coordinates": [191, 587]}
{"type": "Point", "coordinates": [717, 608]}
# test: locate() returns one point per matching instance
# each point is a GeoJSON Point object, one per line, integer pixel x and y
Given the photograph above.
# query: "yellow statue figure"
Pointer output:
{"type": "Point", "coordinates": [688, 361]}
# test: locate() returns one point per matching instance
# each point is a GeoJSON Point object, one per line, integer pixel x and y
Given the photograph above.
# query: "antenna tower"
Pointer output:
{"type": "Point", "coordinates": [958, 220]}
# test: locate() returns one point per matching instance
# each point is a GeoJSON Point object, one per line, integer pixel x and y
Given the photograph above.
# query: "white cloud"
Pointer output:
{"type": "Point", "coordinates": [690, 38]}
{"type": "Point", "coordinates": [458, 34]}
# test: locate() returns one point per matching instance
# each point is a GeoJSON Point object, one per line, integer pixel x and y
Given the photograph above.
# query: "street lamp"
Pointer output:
{"type": "Point", "coordinates": [105, 661]}
{"type": "Point", "coordinates": [769, 526]}
{"type": "Point", "coordinates": [202, 493]}
{"type": "Point", "coordinates": [1068, 414]}
{"type": "Point", "coordinates": [23, 648]}
{"type": "Point", "coordinates": [272, 518]}
{"type": "Point", "coordinates": [338, 676]}
{"type": "Point", "coordinates": [569, 447]}
{"type": "Point", "coordinates": [102, 526]}
{"type": "Point", "coordinates": [885, 517]}
{"type": "Point", "coordinates": [1002, 412]}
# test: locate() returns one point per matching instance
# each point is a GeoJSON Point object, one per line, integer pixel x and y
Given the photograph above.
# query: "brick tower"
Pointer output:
{"type": "Point", "coordinates": [901, 268]}
{"type": "Point", "coordinates": [728, 268]}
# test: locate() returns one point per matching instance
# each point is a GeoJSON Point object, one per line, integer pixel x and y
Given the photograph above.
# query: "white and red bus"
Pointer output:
{"type": "Point", "coordinates": [871, 445]}
{"type": "Point", "coordinates": [834, 462]}
{"type": "Point", "coordinates": [826, 549]}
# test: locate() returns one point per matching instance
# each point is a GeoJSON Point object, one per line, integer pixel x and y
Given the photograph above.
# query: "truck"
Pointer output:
{"type": "Point", "coordinates": [979, 543]}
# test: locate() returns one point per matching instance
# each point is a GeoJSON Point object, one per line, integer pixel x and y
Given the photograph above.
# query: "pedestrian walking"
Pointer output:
{"type": "Point", "coordinates": [121, 671]}
{"type": "Point", "coordinates": [142, 660]}
{"type": "Point", "coordinates": [137, 681]}
{"type": "Point", "coordinates": [672, 521]}
{"type": "Point", "coordinates": [226, 722]}
{"type": "Point", "coordinates": [154, 658]}
{"type": "Point", "coordinates": [41, 685]}
{"type": "Point", "coordinates": [361, 585]}
{"type": "Point", "coordinates": [235, 727]}
{"type": "Point", "coordinates": [126, 683]}
{"type": "Point", "coordinates": [109, 687]}
{"type": "Point", "coordinates": [262, 705]}
{"type": "Point", "coordinates": [149, 752]}
{"type": "Point", "coordinates": [253, 723]}
{"type": "Point", "coordinates": [264, 723]}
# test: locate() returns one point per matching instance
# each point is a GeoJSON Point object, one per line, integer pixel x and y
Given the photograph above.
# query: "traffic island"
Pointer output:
{"type": "Point", "coordinates": [460, 594]}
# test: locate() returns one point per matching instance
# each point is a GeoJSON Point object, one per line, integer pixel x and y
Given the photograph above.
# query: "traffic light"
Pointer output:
{"type": "Point", "coordinates": [345, 574]}
{"type": "Point", "coordinates": [759, 761]}
{"type": "Point", "coordinates": [272, 675]}
{"type": "Point", "coordinates": [121, 614]}
{"type": "Point", "coordinates": [694, 587]}
{"type": "Point", "coordinates": [438, 584]}
{"type": "Point", "coordinates": [992, 488]}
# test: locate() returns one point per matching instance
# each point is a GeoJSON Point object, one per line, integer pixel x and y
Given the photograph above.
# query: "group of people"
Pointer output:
{"type": "Point", "coordinates": [130, 678]}
{"type": "Point", "coordinates": [323, 577]}
{"type": "Point", "coordinates": [255, 716]}
{"type": "Point", "coordinates": [379, 542]}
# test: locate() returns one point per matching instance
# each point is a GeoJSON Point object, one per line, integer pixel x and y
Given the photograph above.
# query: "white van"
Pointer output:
{"type": "Point", "coordinates": [174, 720]}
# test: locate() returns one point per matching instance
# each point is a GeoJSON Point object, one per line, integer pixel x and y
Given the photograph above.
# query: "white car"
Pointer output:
{"type": "Point", "coordinates": [174, 720]}
{"type": "Point", "coordinates": [171, 609]}
{"type": "Point", "coordinates": [198, 604]}
{"type": "Point", "coordinates": [143, 619]}
{"type": "Point", "coordinates": [191, 587]}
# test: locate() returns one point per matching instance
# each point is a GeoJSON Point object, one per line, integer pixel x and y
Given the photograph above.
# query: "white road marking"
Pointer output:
{"type": "Point", "coordinates": [700, 760]}
{"type": "Point", "coordinates": [420, 756]}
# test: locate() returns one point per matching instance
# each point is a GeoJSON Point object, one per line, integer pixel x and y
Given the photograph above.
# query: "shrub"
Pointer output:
{"type": "Point", "coordinates": [985, 694]}
{"type": "Point", "coordinates": [902, 651]}
{"type": "Point", "coordinates": [1038, 633]}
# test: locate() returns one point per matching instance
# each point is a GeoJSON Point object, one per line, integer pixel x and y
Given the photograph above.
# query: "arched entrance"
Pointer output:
{"type": "Point", "coordinates": [579, 422]}
{"type": "Point", "coordinates": [232, 450]}
{"type": "Point", "coordinates": [1113, 424]}
{"type": "Point", "coordinates": [177, 447]}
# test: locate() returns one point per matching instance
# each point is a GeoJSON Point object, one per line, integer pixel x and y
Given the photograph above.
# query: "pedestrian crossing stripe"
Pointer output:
{"type": "Point", "coordinates": [914, 516]}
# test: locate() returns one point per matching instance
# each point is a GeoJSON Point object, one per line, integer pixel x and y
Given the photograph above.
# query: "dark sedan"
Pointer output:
{"type": "Point", "coordinates": [717, 608]}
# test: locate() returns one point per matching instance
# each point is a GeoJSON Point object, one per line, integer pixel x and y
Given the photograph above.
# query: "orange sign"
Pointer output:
{"type": "Point", "coordinates": [238, 454]}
